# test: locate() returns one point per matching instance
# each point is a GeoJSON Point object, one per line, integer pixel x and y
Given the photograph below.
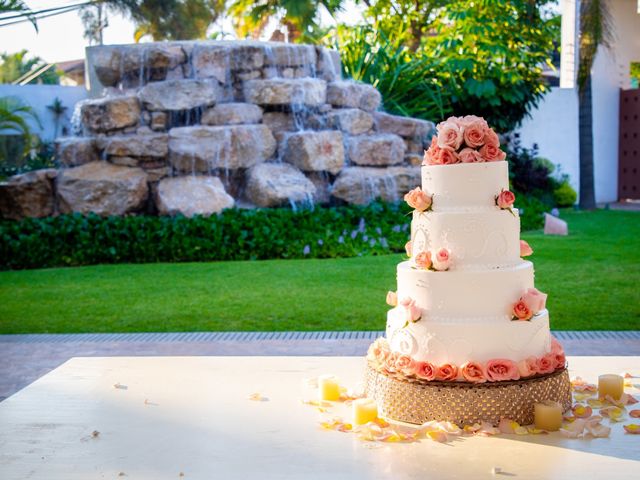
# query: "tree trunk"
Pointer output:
{"type": "Point", "coordinates": [585, 122]}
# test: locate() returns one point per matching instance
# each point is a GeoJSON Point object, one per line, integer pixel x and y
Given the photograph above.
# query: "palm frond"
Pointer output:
{"type": "Point", "coordinates": [596, 30]}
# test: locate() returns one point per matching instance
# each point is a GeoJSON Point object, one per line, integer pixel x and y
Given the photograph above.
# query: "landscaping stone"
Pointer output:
{"type": "Point", "coordinates": [315, 151]}
{"type": "Point", "coordinates": [404, 126]}
{"type": "Point", "coordinates": [362, 185]}
{"type": "Point", "coordinates": [282, 91]}
{"type": "Point", "coordinates": [101, 188]}
{"type": "Point", "coordinates": [201, 149]}
{"type": "Point", "coordinates": [28, 195]}
{"type": "Point", "coordinates": [352, 121]}
{"type": "Point", "coordinates": [74, 151]}
{"type": "Point", "coordinates": [178, 95]}
{"type": "Point", "coordinates": [274, 184]}
{"type": "Point", "coordinates": [232, 114]}
{"type": "Point", "coordinates": [329, 65]}
{"type": "Point", "coordinates": [211, 61]}
{"type": "Point", "coordinates": [158, 121]}
{"type": "Point", "coordinates": [377, 150]}
{"type": "Point", "coordinates": [146, 145]}
{"type": "Point", "coordinates": [348, 93]}
{"type": "Point", "coordinates": [413, 159]}
{"type": "Point", "coordinates": [112, 113]}
{"type": "Point", "coordinates": [192, 195]}
{"type": "Point", "coordinates": [289, 55]}
{"type": "Point", "coordinates": [279, 121]}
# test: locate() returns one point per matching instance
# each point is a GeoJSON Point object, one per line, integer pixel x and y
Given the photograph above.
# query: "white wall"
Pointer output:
{"type": "Point", "coordinates": [39, 96]}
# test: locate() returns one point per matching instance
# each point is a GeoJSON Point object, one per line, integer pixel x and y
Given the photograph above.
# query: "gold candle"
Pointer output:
{"type": "Point", "coordinates": [328, 388]}
{"type": "Point", "coordinates": [610, 384]}
{"type": "Point", "coordinates": [365, 410]}
{"type": "Point", "coordinates": [548, 416]}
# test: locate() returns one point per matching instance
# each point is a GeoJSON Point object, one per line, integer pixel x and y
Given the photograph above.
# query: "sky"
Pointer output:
{"type": "Point", "coordinates": [60, 38]}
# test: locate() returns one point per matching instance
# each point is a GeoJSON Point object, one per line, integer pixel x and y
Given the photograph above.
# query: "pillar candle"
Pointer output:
{"type": "Point", "coordinates": [610, 385]}
{"type": "Point", "coordinates": [365, 410]}
{"type": "Point", "coordinates": [548, 416]}
{"type": "Point", "coordinates": [328, 388]}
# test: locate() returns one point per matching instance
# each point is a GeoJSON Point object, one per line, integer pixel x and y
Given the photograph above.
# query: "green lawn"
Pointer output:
{"type": "Point", "coordinates": [592, 278]}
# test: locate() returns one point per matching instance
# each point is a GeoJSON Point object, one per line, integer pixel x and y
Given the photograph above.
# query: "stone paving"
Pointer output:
{"type": "Point", "coordinates": [25, 358]}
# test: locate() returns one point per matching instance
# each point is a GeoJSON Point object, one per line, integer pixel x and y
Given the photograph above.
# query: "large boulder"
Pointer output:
{"type": "Point", "coordinates": [138, 63]}
{"type": "Point", "coordinates": [352, 94]}
{"type": "Point", "coordinates": [111, 113]}
{"type": "Point", "coordinates": [179, 95]}
{"type": "Point", "coordinates": [211, 61]}
{"type": "Point", "coordinates": [273, 184]}
{"type": "Point", "coordinates": [232, 114]}
{"type": "Point", "coordinates": [404, 126]}
{"type": "Point", "coordinates": [102, 188]}
{"type": "Point", "coordinates": [74, 151]}
{"type": "Point", "coordinates": [315, 151]}
{"type": "Point", "coordinates": [284, 91]}
{"type": "Point", "coordinates": [201, 149]}
{"type": "Point", "coordinates": [144, 145]}
{"type": "Point", "coordinates": [28, 195]}
{"type": "Point", "coordinates": [377, 150]}
{"type": "Point", "coordinates": [192, 195]}
{"type": "Point", "coordinates": [352, 121]}
{"type": "Point", "coordinates": [362, 185]}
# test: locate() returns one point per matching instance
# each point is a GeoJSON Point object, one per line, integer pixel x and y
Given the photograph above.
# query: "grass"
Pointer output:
{"type": "Point", "coordinates": [592, 278]}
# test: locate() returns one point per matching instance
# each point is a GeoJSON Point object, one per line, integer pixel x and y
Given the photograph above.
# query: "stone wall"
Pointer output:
{"type": "Point", "coordinates": [196, 127]}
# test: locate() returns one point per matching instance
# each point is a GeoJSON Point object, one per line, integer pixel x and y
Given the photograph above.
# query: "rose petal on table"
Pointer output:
{"type": "Point", "coordinates": [120, 386]}
{"type": "Point", "coordinates": [507, 426]}
{"type": "Point", "coordinates": [582, 396]}
{"type": "Point", "coordinates": [582, 411]}
{"type": "Point", "coordinates": [634, 413]}
{"type": "Point", "coordinates": [576, 427]}
{"type": "Point", "coordinates": [613, 413]}
{"type": "Point", "coordinates": [598, 430]}
{"type": "Point", "coordinates": [569, 434]}
{"type": "Point", "coordinates": [632, 428]}
{"type": "Point", "coordinates": [595, 403]}
{"type": "Point", "coordinates": [579, 385]}
{"type": "Point", "coordinates": [536, 431]}
{"type": "Point", "coordinates": [257, 397]}
{"type": "Point", "coordinates": [486, 429]}
{"type": "Point", "coordinates": [521, 431]}
{"type": "Point", "coordinates": [630, 399]}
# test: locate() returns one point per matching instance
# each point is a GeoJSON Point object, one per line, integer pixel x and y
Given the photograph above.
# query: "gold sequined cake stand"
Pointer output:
{"type": "Point", "coordinates": [463, 403]}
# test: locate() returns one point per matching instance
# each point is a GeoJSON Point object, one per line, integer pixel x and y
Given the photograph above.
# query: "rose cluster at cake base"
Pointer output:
{"type": "Point", "coordinates": [465, 403]}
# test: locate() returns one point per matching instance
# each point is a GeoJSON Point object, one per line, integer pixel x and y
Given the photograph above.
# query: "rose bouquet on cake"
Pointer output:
{"type": "Point", "coordinates": [466, 139]}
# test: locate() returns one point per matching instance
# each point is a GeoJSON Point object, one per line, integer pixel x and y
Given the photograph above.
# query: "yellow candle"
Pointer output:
{"type": "Point", "coordinates": [328, 388]}
{"type": "Point", "coordinates": [365, 410]}
{"type": "Point", "coordinates": [548, 416]}
{"type": "Point", "coordinates": [610, 385]}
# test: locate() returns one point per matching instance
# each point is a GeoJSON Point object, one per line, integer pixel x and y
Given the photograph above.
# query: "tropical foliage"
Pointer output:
{"type": "Point", "coordinates": [15, 65]}
{"type": "Point", "coordinates": [18, 7]}
{"type": "Point", "coordinates": [14, 120]}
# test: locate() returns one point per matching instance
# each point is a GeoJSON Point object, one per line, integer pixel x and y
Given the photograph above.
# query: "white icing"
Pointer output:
{"type": "Point", "coordinates": [440, 343]}
{"type": "Point", "coordinates": [465, 293]}
{"type": "Point", "coordinates": [488, 239]}
{"type": "Point", "coordinates": [465, 185]}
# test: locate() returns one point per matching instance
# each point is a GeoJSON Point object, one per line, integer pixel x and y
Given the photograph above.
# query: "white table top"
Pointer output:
{"type": "Point", "coordinates": [191, 415]}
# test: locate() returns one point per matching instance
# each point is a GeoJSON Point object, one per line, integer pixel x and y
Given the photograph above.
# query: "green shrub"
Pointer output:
{"type": "Point", "coordinates": [377, 229]}
{"type": "Point", "coordinates": [564, 195]}
{"type": "Point", "coordinates": [532, 211]}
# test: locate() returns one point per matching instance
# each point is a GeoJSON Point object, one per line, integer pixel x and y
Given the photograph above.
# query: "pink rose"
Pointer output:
{"type": "Point", "coordinates": [423, 260]}
{"type": "Point", "coordinates": [521, 311]}
{"type": "Point", "coordinates": [492, 153]}
{"type": "Point", "coordinates": [378, 351]}
{"type": "Point", "coordinates": [392, 299]}
{"type": "Point", "coordinates": [407, 248]}
{"type": "Point", "coordinates": [418, 199]}
{"type": "Point", "coordinates": [446, 157]}
{"type": "Point", "coordinates": [470, 119]}
{"type": "Point", "coordinates": [535, 300]}
{"type": "Point", "coordinates": [447, 372]}
{"type": "Point", "coordinates": [501, 369]}
{"type": "Point", "coordinates": [442, 259]}
{"type": "Point", "coordinates": [449, 134]}
{"type": "Point", "coordinates": [560, 361]}
{"type": "Point", "coordinates": [474, 133]}
{"type": "Point", "coordinates": [412, 311]}
{"type": "Point", "coordinates": [527, 367]}
{"type": "Point", "coordinates": [424, 370]}
{"type": "Point", "coordinates": [505, 199]}
{"type": "Point", "coordinates": [491, 138]}
{"type": "Point", "coordinates": [546, 364]}
{"type": "Point", "coordinates": [473, 372]}
{"type": "Point", "coordinates": [525, 249]}
{"type": "Point", "coordinates": [404, 364]}
{"type": "Point", "coordinates": [390, 362]}
{"type": "Point", "coordinates": [469, 155]}
{"type": "Point", "coordinates": [556, 347]}
{"type": "Point", "coordinates": [431, 154]}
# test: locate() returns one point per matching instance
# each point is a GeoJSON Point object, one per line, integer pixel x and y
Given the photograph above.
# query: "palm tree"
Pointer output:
{"type": "Point", "coordinates": [595, 30]}
{"type": "Point", "coordinates": [299, 16]}
{"type": "Point", "coordinates": [18, 6]}
{"type": "Point", "coordinates": [14, 116]}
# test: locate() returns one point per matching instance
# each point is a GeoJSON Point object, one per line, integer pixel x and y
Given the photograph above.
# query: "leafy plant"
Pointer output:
{"type": "Point", "coordinates": [19, 7]}
{"type": "Point", "coordinates": [15, 65]}
{"type": "Point", "coordinates": [14, 118]}
{"type": "Point", "coordinates": [564, 195]}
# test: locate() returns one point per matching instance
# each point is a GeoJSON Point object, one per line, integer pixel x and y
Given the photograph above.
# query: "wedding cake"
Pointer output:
{"type": "Point", "coordinates": [467, 337]}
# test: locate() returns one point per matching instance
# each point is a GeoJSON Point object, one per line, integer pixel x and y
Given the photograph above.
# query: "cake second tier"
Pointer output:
{"type": "Point", "coordinates": [465, 294]}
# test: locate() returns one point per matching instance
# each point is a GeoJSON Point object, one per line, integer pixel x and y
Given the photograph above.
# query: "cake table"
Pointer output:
{"type": "Point", "coordinates": [190, 417]}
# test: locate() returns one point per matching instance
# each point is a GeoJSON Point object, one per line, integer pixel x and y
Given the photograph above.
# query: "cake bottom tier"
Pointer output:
{"type": "Point", "coordinates": [465, 403]}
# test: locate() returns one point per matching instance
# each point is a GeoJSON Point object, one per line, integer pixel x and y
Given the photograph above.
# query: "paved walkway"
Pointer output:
{"type": "Point", "coordinates": [24, 358]}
